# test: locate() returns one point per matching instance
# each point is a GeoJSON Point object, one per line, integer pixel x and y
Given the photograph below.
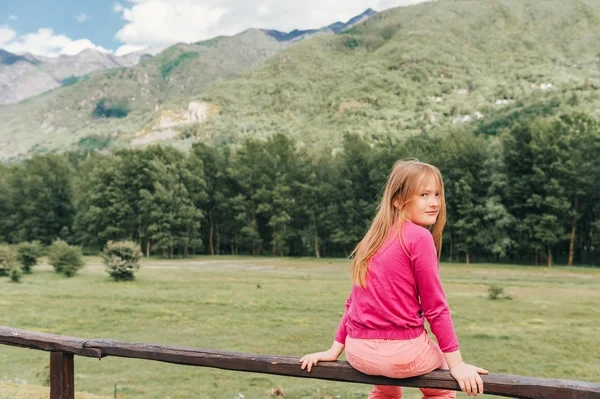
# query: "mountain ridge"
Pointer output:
{"type": "Point", "coordinates": [18, 81]}
{"type": "Point", "coordinates": [427, 68]}
{"type": "Point", "coordinates": [335, 27]}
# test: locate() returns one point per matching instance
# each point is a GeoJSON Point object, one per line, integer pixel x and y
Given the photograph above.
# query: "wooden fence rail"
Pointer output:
{"type": "Point", "coordinates": [63, 349]}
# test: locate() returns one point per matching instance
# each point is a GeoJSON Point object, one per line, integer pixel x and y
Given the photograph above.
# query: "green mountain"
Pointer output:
{"type": "Point", "coordinates": [428, 67]}
{"type": "Point", "coordinates": [73, 115]}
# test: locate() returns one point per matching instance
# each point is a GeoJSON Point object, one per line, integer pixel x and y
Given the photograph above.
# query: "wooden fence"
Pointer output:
{"type": "Point", "coordinates": [62, 350]}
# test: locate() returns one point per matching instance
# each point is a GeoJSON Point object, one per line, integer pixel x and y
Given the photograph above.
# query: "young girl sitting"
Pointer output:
{"type": "Point", "coordinates": [397, 286]}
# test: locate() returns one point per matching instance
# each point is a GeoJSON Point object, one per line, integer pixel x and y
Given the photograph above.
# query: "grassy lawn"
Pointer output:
{"type": "Point", "coordinates": [551, 328]}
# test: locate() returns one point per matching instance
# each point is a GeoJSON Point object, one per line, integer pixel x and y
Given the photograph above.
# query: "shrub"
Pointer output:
{"type": "Point", "coordinates": [28, 254]}
{"type": "Point", "coordinates": [8, 259]}
{"type": "Point", "coordinates": [71, 80]}
{"type": "Point", "coordinates": [65, 259]}
{"type": "Point", "coordinates": [121, 259]}
{"type": "Point", "coordinates": [351, 43]}
{"type": "Point", "coordinates": [111, 108]}
{"type": "Point", "coordinates": [497, 292]}
{"type": "Point", "coordinates": [15, 274]}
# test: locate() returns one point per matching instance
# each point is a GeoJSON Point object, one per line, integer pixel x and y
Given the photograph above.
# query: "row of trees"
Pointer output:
{"type": "Point", "coordinates": [529, 195]}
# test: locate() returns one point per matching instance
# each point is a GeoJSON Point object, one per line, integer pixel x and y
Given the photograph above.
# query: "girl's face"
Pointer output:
{"type": "Point", "coordinates": [424, 207]}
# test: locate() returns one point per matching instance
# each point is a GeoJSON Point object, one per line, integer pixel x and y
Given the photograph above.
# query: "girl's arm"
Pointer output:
{"type": "Point", "coordinates": [465, 374]}
{"type": "Point", "coordinates": [330, 355]}
{"type": "Point", "coordinates": [437, 313]}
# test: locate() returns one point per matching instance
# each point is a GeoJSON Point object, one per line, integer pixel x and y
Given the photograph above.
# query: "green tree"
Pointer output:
{"type": "Point", "coordinates": [42, 199]}
{"type": "Point", "coordinates": [577, 136]}
{"type": "Point", "coordinates": [175, 220]}
{"type": "Point", "coordinates": [462, 165]}
{"type": "Point", "coordinates": [65, 259]}
{"type": "Point", "coordinates": [8, 259]}
{"type": "Point", "coordinates": [28, 254]}
{"type": "Point", "coordinates": [122, 259]}
{"type": "Point", "coordinates": [497, 220]}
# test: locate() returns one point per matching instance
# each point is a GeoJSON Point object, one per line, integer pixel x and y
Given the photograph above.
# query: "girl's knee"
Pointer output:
{"type": "Point", "coordinates": [429, 393]}
{"type": "Point", "coordinates": [385, 392]}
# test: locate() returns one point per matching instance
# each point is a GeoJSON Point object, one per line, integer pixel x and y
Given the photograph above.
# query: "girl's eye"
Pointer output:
{"type": "Point", "coordinates": [424, 195]}
{"type": "Point", "coordinates": [437, 194]}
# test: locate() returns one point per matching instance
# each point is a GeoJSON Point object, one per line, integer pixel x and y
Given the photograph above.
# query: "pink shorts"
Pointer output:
{"type": "Point", "coordinates": [397, 359]}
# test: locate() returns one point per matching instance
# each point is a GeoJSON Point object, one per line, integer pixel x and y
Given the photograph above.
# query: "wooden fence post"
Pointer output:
{"type": "Point", "coordinates": [62, 376]}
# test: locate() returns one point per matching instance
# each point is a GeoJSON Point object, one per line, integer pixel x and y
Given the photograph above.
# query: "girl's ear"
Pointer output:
{"type": "Point", "coordinates": [396, 203]}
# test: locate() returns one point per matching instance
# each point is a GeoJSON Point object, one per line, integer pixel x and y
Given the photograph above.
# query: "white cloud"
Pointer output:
{"type": "Point", "coordinates": [118, 7]}
{"type": "Point", "coordinates": [263, 9]}
{"type": "Point", "coordinates": [12, 17]}
{"type": "Point", "coordinates": [154, 22]}
{"type": "Point", "coordinates": [128, 48]}
{"type": "Point", "coordinates": [159, 21]}
{"type": "Point", "coordinates": [82, 17]}
{"type": "Point", "coordinates": [44, 42]}
{"type": "Point", "coordinates": [6, 35]}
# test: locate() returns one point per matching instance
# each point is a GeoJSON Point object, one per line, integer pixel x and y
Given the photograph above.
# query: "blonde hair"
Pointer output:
{"type": "Point", "coordinates": [403, 184]}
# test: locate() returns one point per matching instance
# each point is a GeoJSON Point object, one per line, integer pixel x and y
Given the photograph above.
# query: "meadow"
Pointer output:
{"type": "Point", "coordinates": [284, 306]}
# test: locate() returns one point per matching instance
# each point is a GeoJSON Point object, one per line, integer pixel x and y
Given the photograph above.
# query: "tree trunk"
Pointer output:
{"type": "Point", "coordinates": [210, 236]}
{"type": "Point", "coordinates": [253, 220]}
{"type": "Point", "coordinates": [148, 249]}
{"type": "Point", "coordinates": [537, 257]}
{"type": "Point", "coordinates": [274, 249]}
{"type": "Point", "coordinates": [573, 228]}
{"type": "Point", "coordinates": [549, 256]}
{"type": "Point", "coordinates": [232, 249]}
{"type": "Point", "coordinates": [468, 256]}
{"type": "Point", "coordinates": [186, 252]}
{"type": "Point", "coordinates": [317, 253]}
{"type": "Point", "coordinates": [171, 253]}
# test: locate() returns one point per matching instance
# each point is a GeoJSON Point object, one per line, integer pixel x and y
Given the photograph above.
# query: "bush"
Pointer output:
{"type": "Point", "coordinates": [8, 259]}
{"type": "Point", "coordinates": [28, 254]}
{"type": "Point", "coordinates": [15, 274]}
{"type": "Point", "coordinates": [111, 108]}
{"type": "Point", "coordinates": [121, 259]}
{"type": "Point", "coordinates": [65, 258]}
{"type": "Point", "coordinates": [497, 292]}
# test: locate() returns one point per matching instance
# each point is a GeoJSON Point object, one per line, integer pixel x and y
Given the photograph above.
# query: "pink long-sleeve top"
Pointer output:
{"type": "Point", "coordinates": [403, 289]}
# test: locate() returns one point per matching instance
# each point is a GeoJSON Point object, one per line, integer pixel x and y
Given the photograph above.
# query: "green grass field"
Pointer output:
{"type": "Point", "coordinates": [549, 329]}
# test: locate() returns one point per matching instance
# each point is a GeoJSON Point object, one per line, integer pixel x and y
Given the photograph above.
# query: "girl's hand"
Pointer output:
{"type": "Point", "coordinates": [313, 358]}
{"type": "Point", "coordinates": [468, 378]}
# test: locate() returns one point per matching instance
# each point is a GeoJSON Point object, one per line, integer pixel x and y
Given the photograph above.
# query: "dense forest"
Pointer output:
{"type": "Point", "coordinates": [529, 195]}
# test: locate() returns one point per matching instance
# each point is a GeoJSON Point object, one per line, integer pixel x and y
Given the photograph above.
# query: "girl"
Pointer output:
{"type": "Point", "coordinates": [397, 286]}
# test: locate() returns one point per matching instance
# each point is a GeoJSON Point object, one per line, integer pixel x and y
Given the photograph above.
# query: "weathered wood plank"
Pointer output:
{"type": "Point", "coordinates": [46, 342]}
{"type": "Point", "coordinates": [495, 384]}
{"type": "Point", "coordinates": [62, 376]}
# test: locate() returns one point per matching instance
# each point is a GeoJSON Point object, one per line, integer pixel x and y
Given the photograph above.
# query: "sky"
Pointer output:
{"type": "Point", "coordinates": [52, 28]}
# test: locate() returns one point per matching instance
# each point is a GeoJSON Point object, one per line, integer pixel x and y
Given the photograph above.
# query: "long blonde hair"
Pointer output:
{"type": "Point", "coordinates": [404, 183]}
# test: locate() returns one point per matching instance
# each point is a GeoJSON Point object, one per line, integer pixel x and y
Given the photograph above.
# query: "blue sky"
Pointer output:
{"type": "Point", "coordinates": [99, 27]}
{"type": "Point", "coordinates": [51, 28]}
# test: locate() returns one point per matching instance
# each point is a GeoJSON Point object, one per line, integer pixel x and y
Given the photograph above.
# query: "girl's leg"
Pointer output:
{"type": "Point", "coordinates": [431, 359]}
{"type": "Point", "coordinates": [385, 392]}
{"type": "Point", "coordinates": [363, 356]}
